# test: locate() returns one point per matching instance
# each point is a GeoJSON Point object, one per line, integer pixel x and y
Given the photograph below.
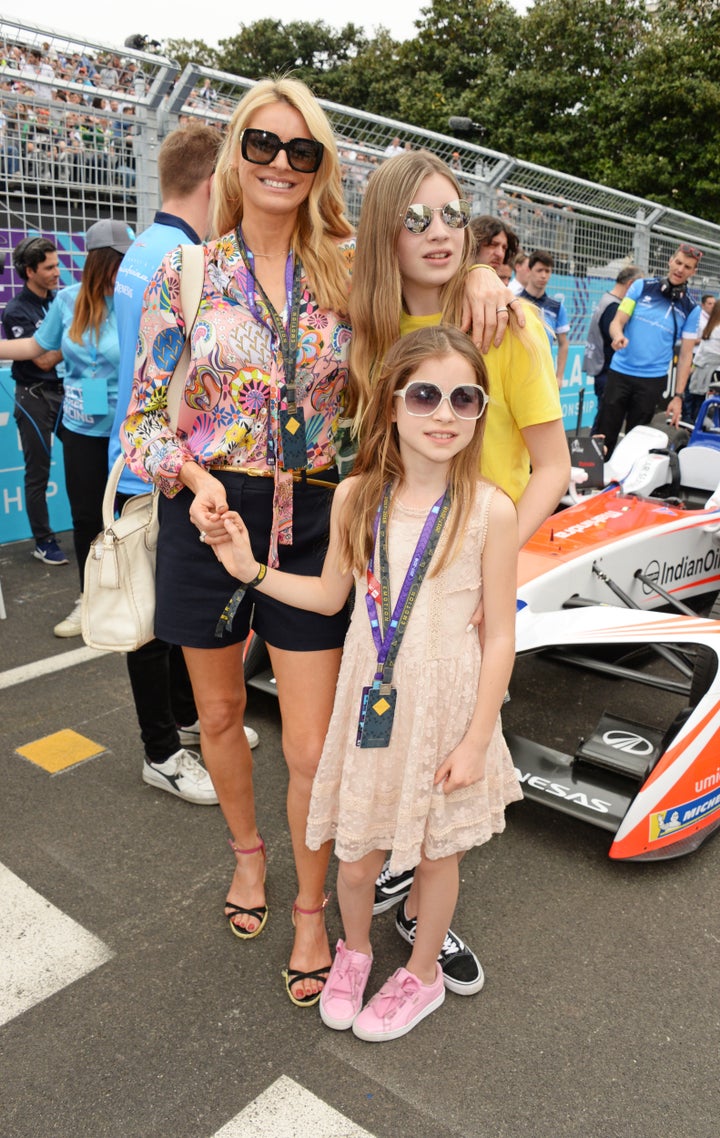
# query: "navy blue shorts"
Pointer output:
{"type": "Point", "coordinates": [193, 587]}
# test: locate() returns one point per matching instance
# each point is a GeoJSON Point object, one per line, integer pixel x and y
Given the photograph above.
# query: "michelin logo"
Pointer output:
{"type": "Point", "coordinates": [667, 822]}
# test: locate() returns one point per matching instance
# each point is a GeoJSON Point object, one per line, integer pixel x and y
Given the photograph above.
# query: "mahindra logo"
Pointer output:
{"type": "Point", "coordinates": [629, 742]}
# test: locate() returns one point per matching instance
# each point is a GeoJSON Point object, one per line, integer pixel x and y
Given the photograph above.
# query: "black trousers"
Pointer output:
{"type": "Point", "coordinates": [86, 471]}
{"type": "Point", "coordinates": [629, 398]}
{"type": "Point", "coordinates": [163, 696]}
{"type": "Point", "coordinates": [37, 410]}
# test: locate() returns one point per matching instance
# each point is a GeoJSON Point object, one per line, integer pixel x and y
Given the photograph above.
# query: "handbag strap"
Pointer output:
{"type": "Point", "coordinates": [191, 282]}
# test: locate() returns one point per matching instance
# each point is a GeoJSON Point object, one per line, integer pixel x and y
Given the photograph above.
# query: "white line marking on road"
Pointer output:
{"type": "Point", "coordinates": [50, 664]}
{"type": "Point", "coordinates": [42, 950]}
{"type": "Point", "coordinates": [287, 1110]}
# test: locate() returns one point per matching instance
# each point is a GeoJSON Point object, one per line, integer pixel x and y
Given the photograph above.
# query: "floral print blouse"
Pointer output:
{"type": "Point", "coordinates": [234, 391]}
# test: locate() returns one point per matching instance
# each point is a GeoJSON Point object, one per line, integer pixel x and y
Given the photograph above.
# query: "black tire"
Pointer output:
{"type": "Point", "coordinates": [256, 657]}
{"type": "Point", "coordinates": [705, 664]}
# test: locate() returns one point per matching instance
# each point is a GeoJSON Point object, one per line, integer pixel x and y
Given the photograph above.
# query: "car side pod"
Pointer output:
{"type": "Point", "coordinates": [657, 793]}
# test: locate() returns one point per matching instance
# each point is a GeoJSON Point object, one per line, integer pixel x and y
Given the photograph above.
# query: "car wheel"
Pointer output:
{"type": "Point", "coordinates": [255, 658]}
{"type": "Point", "coordinates": [705, 664]}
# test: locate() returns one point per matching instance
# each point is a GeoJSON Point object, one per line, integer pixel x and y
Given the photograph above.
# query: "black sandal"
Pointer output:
{"type": "Point", "coordinates": [259, 914]}
{"type": "Point", "coordinates": [294, 976]}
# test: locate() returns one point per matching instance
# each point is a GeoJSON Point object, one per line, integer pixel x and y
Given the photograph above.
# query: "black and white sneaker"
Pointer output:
{"type": "Point", "coordinates": [461, 969]}
{"type": "Point", "coordinates": [184, 776]}
{"type": "Point", "coordinates": [391, 888]}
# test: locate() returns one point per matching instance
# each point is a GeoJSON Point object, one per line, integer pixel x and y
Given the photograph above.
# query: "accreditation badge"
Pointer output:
{"type": "Point", "coordinates": [377, 711]}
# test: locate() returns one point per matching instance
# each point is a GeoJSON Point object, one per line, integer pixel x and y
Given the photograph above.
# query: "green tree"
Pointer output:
{"type": "Point", "coordinates": [666, 123]}
{"type": "Point", "coordinates": [191, 51]}
{"type": "Point", "coordinates": [308, 50]}
{"type": "Point", "coordinates": [552, 106]}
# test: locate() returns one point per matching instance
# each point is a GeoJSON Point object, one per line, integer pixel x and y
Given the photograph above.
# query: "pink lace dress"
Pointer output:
{"type": "Point", "coordinates": [384, 798]}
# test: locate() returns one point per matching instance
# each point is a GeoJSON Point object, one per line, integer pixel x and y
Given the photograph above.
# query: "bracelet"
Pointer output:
{"type": "Point", "coordinates": [478, 266]}
{"type": "Point", "coordinates": [257, 578]}
{"type": "Point", "coordinates": [677, 395]}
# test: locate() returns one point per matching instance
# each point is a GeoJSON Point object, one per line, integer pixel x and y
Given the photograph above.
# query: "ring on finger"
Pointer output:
{"type": "Point", "coordinates": [203, 536]}
{"type": "Point", "coordinates": [502, 308]}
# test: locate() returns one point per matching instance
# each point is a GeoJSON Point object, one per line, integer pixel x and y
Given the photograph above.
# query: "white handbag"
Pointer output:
{"type": "Point", "coordinates": [118, 602]}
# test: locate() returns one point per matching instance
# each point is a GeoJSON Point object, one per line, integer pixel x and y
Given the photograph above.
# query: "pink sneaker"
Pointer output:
{"type": "Point", "coordinates": [401, 1003]}
{"type": "Point", "coordinates": [342, 995]}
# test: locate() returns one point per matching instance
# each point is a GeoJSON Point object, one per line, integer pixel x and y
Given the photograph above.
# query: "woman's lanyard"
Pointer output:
{"type": "Point", "coordinates": [93, 387]}
{"type": "Point", "coordinates": [377, 707]}
{"type": "Point", "coordinates": [291, 417]}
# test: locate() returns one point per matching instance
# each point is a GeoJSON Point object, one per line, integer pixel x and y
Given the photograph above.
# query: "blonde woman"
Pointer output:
{"type": "Point", "coordinates": [271, 335]}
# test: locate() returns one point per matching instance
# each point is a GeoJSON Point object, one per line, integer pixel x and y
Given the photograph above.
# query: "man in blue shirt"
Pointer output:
{"type": "Point", "coordinates": [654, 315]}
{"type": "Point", "coordinates": [552, 311]}
{"type": "Point", "coordinates": [38, 387]}
{"type": "Point", "coordinates": [160, 684]}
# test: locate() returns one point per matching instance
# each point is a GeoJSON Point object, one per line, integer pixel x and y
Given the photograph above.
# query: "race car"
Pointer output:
{"type": "Point", "coordinates": [625, 585]}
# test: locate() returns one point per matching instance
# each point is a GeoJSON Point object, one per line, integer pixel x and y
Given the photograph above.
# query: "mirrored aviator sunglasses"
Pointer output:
{"type": "Point", "coordinates": [467, 401]}
{"type": "Point", "coordinates": [260, 147]}
{"type": "Point", "coordinates": [455, 214]}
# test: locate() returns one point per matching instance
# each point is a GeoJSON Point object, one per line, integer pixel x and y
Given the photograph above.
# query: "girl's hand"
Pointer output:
{"type": "Point", "coordinates": [207, 510]}
{"type": "Point", "coordinates": [476, 621]}
{"type": "Point", "coordinates": [235, 552]}
{"type": "Point", "coordinates": [463, 766]}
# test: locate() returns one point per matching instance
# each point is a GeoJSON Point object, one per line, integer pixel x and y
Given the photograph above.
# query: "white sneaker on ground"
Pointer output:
{"type": "Point", "coordinates": [191, 735]}
{"type": "Point", "coordinates": [184, 776]}
{"type": "Point", "coordinates": [71, 626]}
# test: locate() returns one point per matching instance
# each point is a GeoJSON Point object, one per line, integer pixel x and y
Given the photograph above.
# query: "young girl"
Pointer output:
{"type": "Point", "coordinates": [414, 761]}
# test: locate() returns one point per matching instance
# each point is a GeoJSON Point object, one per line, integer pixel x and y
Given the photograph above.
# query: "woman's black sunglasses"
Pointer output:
{"type": "Point", "coordinates": [262, 146]}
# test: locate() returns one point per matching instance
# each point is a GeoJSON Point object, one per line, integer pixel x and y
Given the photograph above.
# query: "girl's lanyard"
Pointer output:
{"type": "Point", "coordinates": [377, 708]}
{"type": "Point", "coordinates": [291, 417]}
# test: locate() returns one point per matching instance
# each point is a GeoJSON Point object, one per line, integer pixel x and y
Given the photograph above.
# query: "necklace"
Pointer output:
{"type": "Point", "coordinates": [405, 506]}
{"type": "Point", "coordinates": [270, 255]}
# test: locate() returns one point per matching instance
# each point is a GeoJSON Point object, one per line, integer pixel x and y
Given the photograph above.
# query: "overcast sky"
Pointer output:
{"type": "Point", "coordinates": [112, 22]}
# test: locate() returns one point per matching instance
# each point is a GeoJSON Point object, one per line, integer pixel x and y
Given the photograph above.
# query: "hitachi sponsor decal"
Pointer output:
{"type": "Point", "coordinates": [557, 790]}
{"type": "Point", "coordinates": [670, 572]}
{"type": "Point", "coordinates": [589, 523]}
{"type": "Point", "coordinates": [680, 817]}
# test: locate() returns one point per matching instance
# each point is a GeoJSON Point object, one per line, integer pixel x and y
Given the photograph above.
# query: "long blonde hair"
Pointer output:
{"type": "Point", "coordinates": [98, 279]}
{"type": "Point", "coordinates": [376, 297]}
{"type": "Point", "coordinates": [379, 461]}
{"type": "Point", "coordinates": [321, 222]}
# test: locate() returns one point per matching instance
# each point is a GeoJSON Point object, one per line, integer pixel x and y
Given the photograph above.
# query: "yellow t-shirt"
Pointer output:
{"type": "Point", "coordinates": [523, 393]}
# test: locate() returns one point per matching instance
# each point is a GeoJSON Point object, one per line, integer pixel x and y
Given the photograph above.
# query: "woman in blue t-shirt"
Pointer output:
{"type": "Point", "coordinates": [81, 323]}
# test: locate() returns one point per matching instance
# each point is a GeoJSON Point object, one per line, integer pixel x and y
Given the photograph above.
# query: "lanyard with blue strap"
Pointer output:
{"type": "Point", "coordinates": [377, 707]}
{"type": "Point", "coordinates": [291, 418]}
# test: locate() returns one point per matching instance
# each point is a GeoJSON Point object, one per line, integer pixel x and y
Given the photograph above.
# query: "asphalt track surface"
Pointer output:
{"type": "Point", "coordinates": [127, 1008]}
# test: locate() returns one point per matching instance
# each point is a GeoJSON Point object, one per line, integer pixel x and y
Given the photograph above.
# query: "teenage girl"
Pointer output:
{"type": "Point", "coordinates": [414, 761]}
{"type": "Point", "coordinates": [414, 247]}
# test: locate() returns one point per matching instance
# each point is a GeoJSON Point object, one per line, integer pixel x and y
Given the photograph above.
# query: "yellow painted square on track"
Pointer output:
{"type": "Point", "coordinates": [61, 750]}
